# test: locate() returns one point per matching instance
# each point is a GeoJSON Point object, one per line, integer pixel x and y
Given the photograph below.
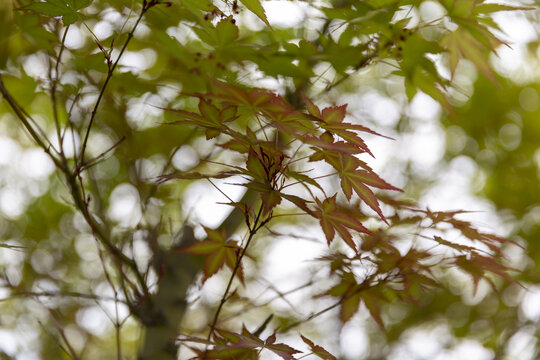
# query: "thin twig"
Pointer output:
{"type": "Point", "coordinates": [311, 317]}
{"type": "Point", "coordinates": [53, 92]}
{"type": "Point", "coordinates": [72, 294]}
{"type": "Point", "coordinates": [224, 298]}
{"type": "Point", "coordinates": [281, 295]}
{"type": "Point", "coordinates": [62, 333]}
{"type": "Point", "coordinates": [110, 72]}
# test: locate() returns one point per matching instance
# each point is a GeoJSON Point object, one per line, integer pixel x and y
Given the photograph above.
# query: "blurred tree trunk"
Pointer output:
{"type": "Point", "coordinates": [162, 312]}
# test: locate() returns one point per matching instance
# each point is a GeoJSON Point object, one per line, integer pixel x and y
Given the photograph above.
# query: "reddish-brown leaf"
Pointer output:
{"type": "Point", "coordinates": [270, 199]}
{"type": "Point", "coordinates": [298, 201]}
{"type": "Point", "coordinates": [355, 179]}
{"type": "Point", "coordinates": [217, 251]}
{"type": "Point", "coordinates": [477, 266]}
{"type": "Point", "coordinates": [249, 342]}
{"type": "Point", "coordinates": [317, 350]}
{"type": "Point", "coordinates": [334, 114]}
{"type": "Point", "coordinates": [209, 112]}
{"type": "Point", "coordinates": [332, 219]}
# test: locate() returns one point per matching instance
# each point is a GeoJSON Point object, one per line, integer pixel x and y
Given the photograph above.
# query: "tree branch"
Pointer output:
{"type": "Point", "coordinates": [146, 6]}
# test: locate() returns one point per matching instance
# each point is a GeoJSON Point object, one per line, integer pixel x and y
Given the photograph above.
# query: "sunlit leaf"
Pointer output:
{"type": "Point", "coordinates": [255, 7]}
{"type": "Point", "coordinates": [462, 44]}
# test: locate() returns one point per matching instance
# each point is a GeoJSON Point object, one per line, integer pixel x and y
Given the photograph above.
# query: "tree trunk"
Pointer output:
{"type": "Point", "coordinates": [162, 313]}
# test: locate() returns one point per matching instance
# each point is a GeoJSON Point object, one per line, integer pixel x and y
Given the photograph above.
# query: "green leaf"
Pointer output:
{"type": "Point", "coordinates": [66, 9]}
{"type": "Point", "coordinates": [311, 107]}
{"type": "Point", "coordinates": [429, 85]}
{"type": "Point", "coordinates": [381, 3]}
{"type": "Point", "coordinates": [372, 298]}
{"type": "Point", "coordinates": [69, 18]}
{"type": "Point", "coordinates": [255, 7]}
{"type": "Point", "coordinates": [270, 199]}
{"type": "Point", "coordinates": [461, 43]}
{"type": "Point", "coordinates": [227, 32]}
{"type": "Point", "coordinates": [492, 7]}
{"type": "Point", "coordinates": [79, 4]}
{"type": "Point", "coordinates": [255, 167]}
{"type": "Point", "coordinates": [209, 111]}
{"type": "Point", "coordinates": [50, 7]}
{"type": "Point", "coordinates": [349, 307]}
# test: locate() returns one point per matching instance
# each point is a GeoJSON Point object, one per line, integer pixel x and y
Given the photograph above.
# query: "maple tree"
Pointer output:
{"type": "Point", "coordinates": [296, 152]}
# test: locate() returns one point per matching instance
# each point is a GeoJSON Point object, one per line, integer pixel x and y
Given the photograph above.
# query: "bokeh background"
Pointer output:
{"type": "Point", "coordinates": [484, 158]}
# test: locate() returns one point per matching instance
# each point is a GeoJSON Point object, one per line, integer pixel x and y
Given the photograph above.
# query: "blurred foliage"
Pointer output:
{"type": "Point", "coordinates": [65, 296]}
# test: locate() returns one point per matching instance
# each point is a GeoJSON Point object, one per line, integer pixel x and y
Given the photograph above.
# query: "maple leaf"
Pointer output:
{"type": "Point", "coordinates": [372, 297]}
{"type": "Point", "coordinates": [283, 350]}
{"type": "Point", "coordinates": [221, 352]}
{"type": "Point", "coordinates": [302, 179]}
{"type": "Point", "coordinates": [255, 7]}
{"type": "Point", "coordinates": [235, 145]}
{"type": "Point", "coordinates": [210, 117]}
{"type": "Point", "coordinates": [255, 166]}
{"type": "Point", "coordinates": [331, 120]}
{"type": "Point", "coordinates": [358, 180]}
{"type": "Point", "coordinates": [311, 107]}
{"type": "Point", "coordinates": [493, 242]}
{"type": "Point", "coordinates": [317, 350]}
{"type": "Point", "coordinates": [218, 252]}
{"type": "Point", "coordinates": [349, 307]}
{"type": "Point", "coordinates": [229, 345]}
{"type": "Point", "coordinates": [250, 343]}
{"type": "Point", "coordinates": [461, 43]}
{"type": "Point", "coordinates": [353, 294]}
{"type": "Point", "coordinates": [298, 201]}
{"type": "Point", "coordinates": [270, 199]}
{"type": "Point", "coordinates": [333, 220]}
{"type": "Point", "coordinates": [477, 266]}
{"type": "Point", "coordinates": [256, 99]}
{"type": "Point", "coordinates": [334, 114]}
{"type": "Point", "coordinates": [329, 151]}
